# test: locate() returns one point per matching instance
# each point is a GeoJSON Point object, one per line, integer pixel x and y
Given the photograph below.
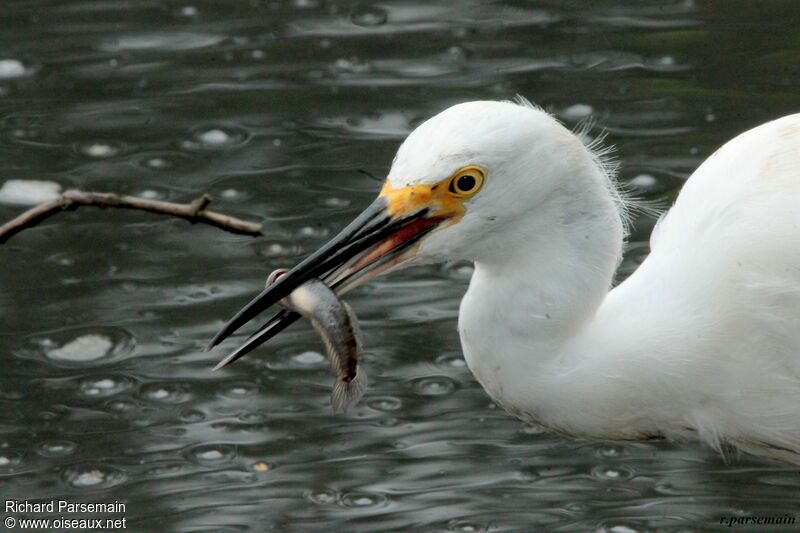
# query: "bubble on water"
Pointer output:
{"type": "Point", "coordinates": [88, 479]}
{"type": "Point", "coordinates": [322, 497]}
{"type": "Point", "coordinates": [239, 390]}
{"type": "Point", "coordinates": [435, 386]}
{"type": "Point", "coordinates": [56, 448]}
{"type": "Point", "coordinates": [211, 454]}
{"type": "Point", "coordinates": [250, 417]}
{"type": "Point", "coordinates": [466, 526]}
{"type": "Point", "coordinates": [189, 11]}
{"type": "Point", "coordinates": [361, 499]}
{"type": "Point", "coordinates": [166, 392]}
{"type": "Point", "coordinates": [99, 150]}
{"type": "Point", "coordinates": [612, 474]}
{"type": "Point", "coordinates": [157, 162]}
{"type": "Point", "coordinates": [334, 202]}
{"type": "Point", "coordinates": [257, 54]}
{"type": "Point", "coordinates": [104, 387]}
{"type": "Point", "coordinates": [309, 358]}
{"type": "Point", "coordinates": [121, 406]}
{"type": "Point", "coordinates": [455, 54]}
{"type": "Point", "coordinates": [528, 474]}
{"type": "Point", "coordinates": [214, 137]}
{"type": "Point", "coordinates": [86, 348]}
{"type": "Point", "coordinates": [277, 249]}
{"type": "Point", "coordinates": [28, 192]}
{"type": "Point", "coordinates": [104, 384]}
{"type": "Point", "coordinates": [312, 232]}
{"type": "Point", "coordinates": [167, 160]}
{"type": "Point", "coordinates": [10, 459]}
{"type": "Point", "coordinates": [451, 360]}
{"type": "Point", "coordinates": [21, 133]}
{"type": "Point", "coordinates": [150, 194]}
{"type": "Point", "coordinates": [192, 416]}
{"type": "Point", "coordinates": [385, 403]}
{"type": "Point", "coordinates": [610, 451]}
{"type": "Point", "coordinates": [232, 194]}
{"type": "Point", "coordinates": [352, 65]}
{"type": "Point", "coordinates": [369, 16]}
{"type": "Point", "coordinates": [389, 422]}
{"type": "Point", "coordinates": [92, 476]}
{"type": "Point", "coordinates": [66, 261]}
{"type": "Point", "coordinates": [618, 528]}
{"type": "Point", "coordinates": [643, 181]}
{"type": "Point", "coordinates": [577, 111]}
{"type": "Point", "coordinates": [159, 394]}
{"type": "Point", "coordinates": [48, 415]}
{"type": "Point", "coordinates": [12, 68]}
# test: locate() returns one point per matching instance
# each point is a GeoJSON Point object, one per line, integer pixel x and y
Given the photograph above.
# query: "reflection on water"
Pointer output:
{"type": "Point", "coordinates": [281, 110]}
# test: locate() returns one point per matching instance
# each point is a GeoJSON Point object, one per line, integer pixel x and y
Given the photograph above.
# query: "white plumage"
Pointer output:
{"type": "Point", "coordinates": [703, 340]}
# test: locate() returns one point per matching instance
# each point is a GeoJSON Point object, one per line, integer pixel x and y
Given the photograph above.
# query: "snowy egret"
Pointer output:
{"type": "Point", "coordinates": [702, 341]}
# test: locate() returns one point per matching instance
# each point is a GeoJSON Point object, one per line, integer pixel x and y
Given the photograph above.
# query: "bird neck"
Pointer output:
{"type": "Point", "coordinates": [525, 305]}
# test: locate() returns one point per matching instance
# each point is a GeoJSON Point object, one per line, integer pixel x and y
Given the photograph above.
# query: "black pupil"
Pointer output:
{"type": "Point", "coordinates": [465, 183]}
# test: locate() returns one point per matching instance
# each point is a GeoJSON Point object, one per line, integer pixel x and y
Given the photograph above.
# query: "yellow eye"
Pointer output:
{"type": "Point", "coordinates": [466, 181]}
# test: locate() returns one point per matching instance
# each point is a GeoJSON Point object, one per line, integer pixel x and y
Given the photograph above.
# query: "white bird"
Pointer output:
{"type": "Point", "coordinates": [702, 341]}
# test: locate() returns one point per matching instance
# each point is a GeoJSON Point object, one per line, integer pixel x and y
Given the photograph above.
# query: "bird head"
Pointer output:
{"type": "Point", "coordinates": [459, 182]}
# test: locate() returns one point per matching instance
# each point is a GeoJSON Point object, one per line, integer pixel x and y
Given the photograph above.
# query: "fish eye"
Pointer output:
{"type": "Point", "coordinates": [466, 181]}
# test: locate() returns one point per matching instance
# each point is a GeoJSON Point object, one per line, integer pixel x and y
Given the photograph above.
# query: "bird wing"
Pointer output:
{"type": "Point", "coordinates": [754, 178]}
{"type": "Point", "coordinates": [716, 304]}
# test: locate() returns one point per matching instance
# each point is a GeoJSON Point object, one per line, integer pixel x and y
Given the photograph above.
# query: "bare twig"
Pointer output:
{"type": "Point", "coordinates": [194, 211]}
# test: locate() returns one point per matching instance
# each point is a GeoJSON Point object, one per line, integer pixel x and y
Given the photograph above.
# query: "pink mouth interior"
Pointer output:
{"type": "Point", "coordinates": [393, 241]}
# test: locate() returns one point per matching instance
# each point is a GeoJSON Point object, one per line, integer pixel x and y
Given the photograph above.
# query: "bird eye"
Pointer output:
{"type": "Point", "coordinates": [466, 181]}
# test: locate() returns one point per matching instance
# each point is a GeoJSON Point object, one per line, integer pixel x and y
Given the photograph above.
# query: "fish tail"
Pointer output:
{"type": "Point", "coordinates": [348, 393]}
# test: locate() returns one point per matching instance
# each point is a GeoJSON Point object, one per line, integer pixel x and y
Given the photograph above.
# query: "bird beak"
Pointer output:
{"type": "Point", "coordinates": [380, 238]}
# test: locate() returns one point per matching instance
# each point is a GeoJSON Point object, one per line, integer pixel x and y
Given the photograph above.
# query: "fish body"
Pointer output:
{"type": "Point", "coordinates": [336, 323]}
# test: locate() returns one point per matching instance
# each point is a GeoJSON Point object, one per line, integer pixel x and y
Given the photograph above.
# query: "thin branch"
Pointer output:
{"type": "Point", "coordinates": [194, 211]}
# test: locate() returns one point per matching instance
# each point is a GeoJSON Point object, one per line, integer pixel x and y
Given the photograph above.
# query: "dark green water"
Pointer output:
{"type": "Point", "coordinates": [273, 107]}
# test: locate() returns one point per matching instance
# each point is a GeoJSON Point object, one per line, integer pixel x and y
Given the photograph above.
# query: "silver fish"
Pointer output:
{"type": "Point", "coordinates": [336, 323]}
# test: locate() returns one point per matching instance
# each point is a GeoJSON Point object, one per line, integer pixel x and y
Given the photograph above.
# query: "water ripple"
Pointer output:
{"type": "Point", "coordinates": [80, 346]}
{"type": "Point", "coordinates": [92, 476]}
{"type": "Point", "coordinates": [172, 41]}
{"type": "Point", "coordinates": [282, 111]}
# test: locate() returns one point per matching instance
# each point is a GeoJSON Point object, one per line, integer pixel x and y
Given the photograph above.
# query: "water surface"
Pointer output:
{"type": "Point", "coordinates": [276, 108]}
